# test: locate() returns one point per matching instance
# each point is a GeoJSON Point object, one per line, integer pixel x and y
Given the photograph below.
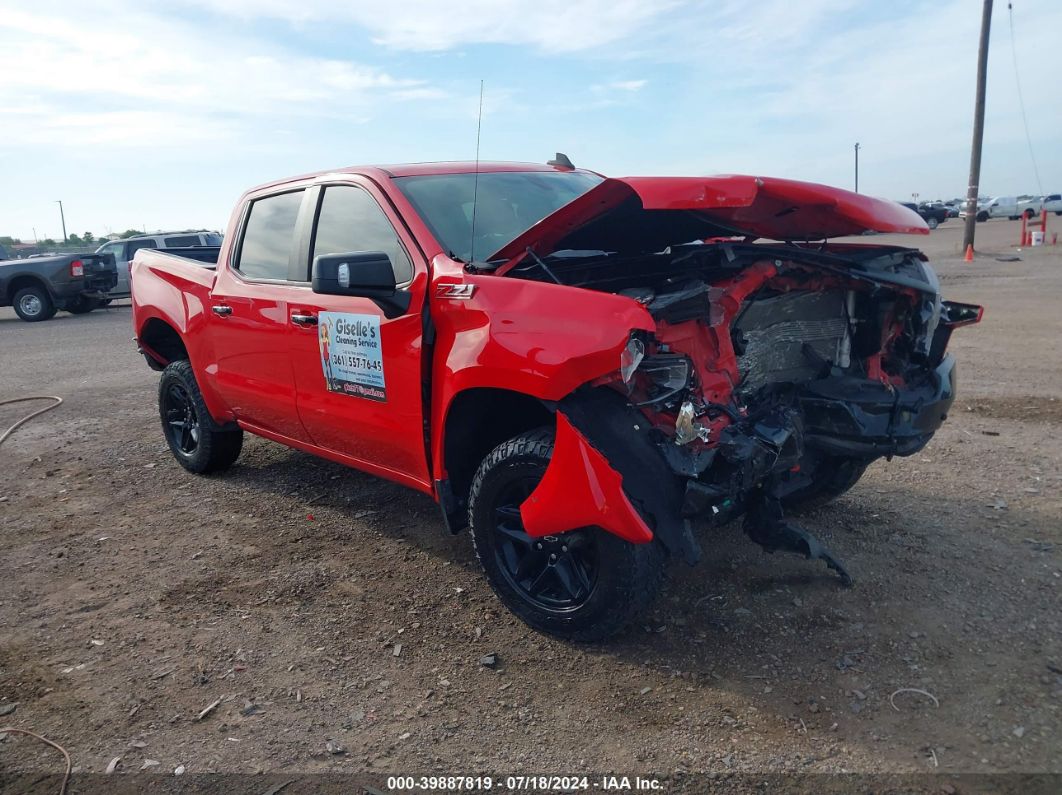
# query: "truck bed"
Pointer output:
{"type": "Point", "coordinates": [204, 256]}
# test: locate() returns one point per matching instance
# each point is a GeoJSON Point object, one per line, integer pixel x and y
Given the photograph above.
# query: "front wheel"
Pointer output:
{"type": "Point", "coordinates": [830, 477]}
{"type": "Point", "coordinates": [195, 441]}
{"type": "Point", "coordinates": [586, 584]}
{"type": "Point", "coordinates": [982, 217]}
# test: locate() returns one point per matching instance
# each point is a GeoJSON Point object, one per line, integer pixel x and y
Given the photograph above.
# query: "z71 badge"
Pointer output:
{"type": "Point", "coordinates": [461, 292]}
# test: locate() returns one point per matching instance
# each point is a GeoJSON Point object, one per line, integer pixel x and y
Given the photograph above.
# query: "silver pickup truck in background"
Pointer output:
{"type": "Point", "coordinates": [123, 251]}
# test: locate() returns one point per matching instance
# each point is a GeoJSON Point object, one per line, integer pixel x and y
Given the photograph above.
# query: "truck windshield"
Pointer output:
{"type": "Point", "coordinates": [507, 204]}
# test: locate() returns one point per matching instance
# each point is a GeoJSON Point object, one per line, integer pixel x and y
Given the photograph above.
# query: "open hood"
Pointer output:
{"type": "Point", "coordinates": [646, 214]}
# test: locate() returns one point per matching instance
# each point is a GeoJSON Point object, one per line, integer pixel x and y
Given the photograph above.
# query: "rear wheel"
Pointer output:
{"type": "Point", "coordinates": [190, 432]}
{"type": "Point", "coordinates": [81, 305]}
{"type": "Point", "coordinates": [831, 477]}
{"type": "Point", "coordinates": [585, 584]}
{"type": "Point", "coordinates": [982, 216]}
{"type": "Point", "coordinates": [33, 304]}
{"type": "Point", "coordinates": [932, 223]}
{"type": "Point", "coordinates": [1029, 213]}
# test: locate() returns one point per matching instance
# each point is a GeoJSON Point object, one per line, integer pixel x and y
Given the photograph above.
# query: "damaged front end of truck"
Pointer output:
{"type": "Point", "coordinates": [774, 373]}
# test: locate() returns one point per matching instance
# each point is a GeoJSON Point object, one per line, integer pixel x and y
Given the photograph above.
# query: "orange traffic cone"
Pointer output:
{"type": "Point", "coordinates": [969, 254]}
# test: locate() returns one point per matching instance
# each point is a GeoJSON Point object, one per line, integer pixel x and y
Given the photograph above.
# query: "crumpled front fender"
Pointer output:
{"type": "Point", "coordinates": [581, 489]}
{"type": "Point", "coordinates": [607, 472]}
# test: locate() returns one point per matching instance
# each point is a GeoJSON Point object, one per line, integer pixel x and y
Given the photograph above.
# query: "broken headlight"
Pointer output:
{"type": "Point", "coordinates": [630, 358]}
{"type": "Point", "coordinates": [668, 374]}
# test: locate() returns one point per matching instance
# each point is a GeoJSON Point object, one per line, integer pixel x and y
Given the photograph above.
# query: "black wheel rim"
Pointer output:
{"type": "Point", "coordinates": [554, 573]}
{"type": "Point", "coordinates": [181, 420]}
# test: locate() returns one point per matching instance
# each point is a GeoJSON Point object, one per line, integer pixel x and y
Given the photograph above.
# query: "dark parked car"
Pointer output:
{"type": "Point", "coordinates": [933, 214]}
{"type": "Point", "coordinates": [40, 286]}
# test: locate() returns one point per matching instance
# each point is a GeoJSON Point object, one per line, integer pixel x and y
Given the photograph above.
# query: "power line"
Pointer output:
{"type": "Point", "coordinates": [1021, 100]}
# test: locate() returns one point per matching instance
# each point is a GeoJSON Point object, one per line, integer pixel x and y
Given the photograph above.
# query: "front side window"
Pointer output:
{"type": "Point", "coordinates": [114, 249]}
{"type": "Point", "coordinates": [351, 220]}
{"type": "Point", "coordinates": [268, 236]}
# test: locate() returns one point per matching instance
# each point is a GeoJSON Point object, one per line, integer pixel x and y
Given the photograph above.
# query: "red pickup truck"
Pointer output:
{"type": "Point", "coordinates": [581, 369]}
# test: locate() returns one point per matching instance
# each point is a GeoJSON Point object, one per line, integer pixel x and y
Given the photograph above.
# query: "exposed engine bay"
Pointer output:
{"type": "Point", "coordinates": [776, 371]}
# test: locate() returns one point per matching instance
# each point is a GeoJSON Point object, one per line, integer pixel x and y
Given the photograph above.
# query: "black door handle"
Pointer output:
{"type": "Point", "coordinates": [304, 320]}
{"type": "Point", "coordinates": [221, 310]}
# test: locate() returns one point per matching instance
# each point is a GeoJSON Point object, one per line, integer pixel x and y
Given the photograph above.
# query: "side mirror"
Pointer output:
{"type": "Point", "coordinates": [364, 274]}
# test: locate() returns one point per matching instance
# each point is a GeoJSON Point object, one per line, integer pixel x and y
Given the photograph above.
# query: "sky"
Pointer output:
{"type": "Point", "coordinates": [139, 114]}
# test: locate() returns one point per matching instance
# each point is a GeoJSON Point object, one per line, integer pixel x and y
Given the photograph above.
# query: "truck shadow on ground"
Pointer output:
{"type": "Point", "coordinates": [897, 544]}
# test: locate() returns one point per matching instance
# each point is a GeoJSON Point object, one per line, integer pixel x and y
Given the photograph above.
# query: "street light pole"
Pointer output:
{"type": "Point", "coordinates": [857, 168]}
{"type": "Point", "coordinates": [63, 218]}
{"type": "Point", "coordinates": [979, 129]}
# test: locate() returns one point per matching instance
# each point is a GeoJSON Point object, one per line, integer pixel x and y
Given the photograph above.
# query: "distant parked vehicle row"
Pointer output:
{"type": "Point", "coordinates": [1013, 207]}
{"type": "Point", "coordinates": [123, 251]}
{"type": "Point", "coordinates": [933, 214]}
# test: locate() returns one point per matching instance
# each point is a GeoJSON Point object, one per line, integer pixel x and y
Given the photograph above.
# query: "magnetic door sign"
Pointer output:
{"type": "Point", "coordinates": [352, 354]}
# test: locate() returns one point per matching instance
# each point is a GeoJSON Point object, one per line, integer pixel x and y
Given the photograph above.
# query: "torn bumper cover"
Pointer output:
{"type": "Point", "coordinates": [856, 417]}
{"type": "Point", "coordinates": [606, 471]}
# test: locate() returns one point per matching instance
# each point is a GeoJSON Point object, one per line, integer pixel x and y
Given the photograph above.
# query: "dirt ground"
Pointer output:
{"type": "Point", "coordinates": [320, 604]}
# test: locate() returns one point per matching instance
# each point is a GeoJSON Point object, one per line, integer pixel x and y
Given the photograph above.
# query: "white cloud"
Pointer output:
{"type": "Point", "coordinates": [550, 25]}
{"type": "Point", "coordinates": [49, 126]}
{"type": "Point", "coordinates": [628, 85]}
{"type": "Point", "coordinates": [141, 78]}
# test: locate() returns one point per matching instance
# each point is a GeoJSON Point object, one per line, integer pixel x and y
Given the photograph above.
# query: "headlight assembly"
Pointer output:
{"type": "Point", "coordinates": [669, 374]}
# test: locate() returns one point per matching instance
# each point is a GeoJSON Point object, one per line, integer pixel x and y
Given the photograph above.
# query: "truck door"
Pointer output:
{"type": "Point", "coordinates": [248, 318]}
{"type": "Point", "coordinates": [358, 374]}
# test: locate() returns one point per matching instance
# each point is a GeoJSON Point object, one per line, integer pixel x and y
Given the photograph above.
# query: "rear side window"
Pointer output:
{"type": "Point", "coordinates": [181, 241]}
{"type": "Point", "coordinates": [268, 236]}
{"type": "Point", "coordinates": [136, 245]}
{"type": "Point", "coordinates": [351, 220]}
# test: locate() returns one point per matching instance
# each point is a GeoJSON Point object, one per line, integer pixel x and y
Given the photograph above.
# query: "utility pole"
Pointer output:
{"type": "Point", "coordinates": [857, 167]}
{"type": "Point", "coordinates": [979, 129]}
{"type": "Point", "coordinates": [63, 217]}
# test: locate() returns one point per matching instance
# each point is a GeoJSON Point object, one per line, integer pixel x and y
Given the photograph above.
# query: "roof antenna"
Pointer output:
{"type": "Point", "coordinates": [561, 161]}
{"type": "Point", "coordinates": [475, 183]}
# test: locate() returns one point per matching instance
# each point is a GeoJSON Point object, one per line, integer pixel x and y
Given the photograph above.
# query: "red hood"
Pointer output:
{"type": "Point", "coordinates": [691, 208]}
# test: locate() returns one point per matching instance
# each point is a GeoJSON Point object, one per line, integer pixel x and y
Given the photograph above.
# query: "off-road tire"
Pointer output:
{"type": "Point", "coordinates": [23, 302]}
{"type": "Point", "coordinates": [628, 576]}
{"type": "Point", "coordinates": [81, 305]}
{"type": "Point", "coordinates": [833, 477]}
{"type": "Point", "coordinates": [214, 449]}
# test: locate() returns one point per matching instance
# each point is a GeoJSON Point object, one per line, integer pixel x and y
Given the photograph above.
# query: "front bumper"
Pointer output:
{"type": "Point", "coordinates": [856, 417]}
